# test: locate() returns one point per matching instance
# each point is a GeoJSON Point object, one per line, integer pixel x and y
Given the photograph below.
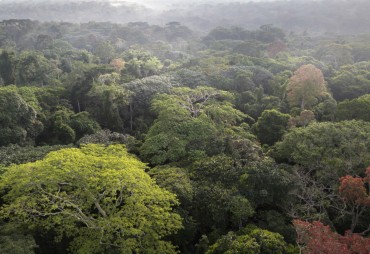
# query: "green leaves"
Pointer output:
{"type": "Point", "coordinates": [190, 122]}
{"type": "Point", "coordinates": [271, 126]}
{"type": "Point", "coordinates": [251, 240]}
{"type": "Point", "coordinates": [329, 148]}
{"type": "Point", "coordinates": [358, 109]}
{"type": "Point", "coordinates": [90, 190]}
{"type": "Point", "coordinates": [18, 117]}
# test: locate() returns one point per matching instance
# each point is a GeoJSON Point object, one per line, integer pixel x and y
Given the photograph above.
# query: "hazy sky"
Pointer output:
{"type": "Point", "coordinates": [153, 4]}
{"type": "Point", "coordinates": [147, 2]}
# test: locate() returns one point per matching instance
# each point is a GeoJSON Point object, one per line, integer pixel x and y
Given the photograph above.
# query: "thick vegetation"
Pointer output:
{"type": "Point", "coordinates": [139, 138]}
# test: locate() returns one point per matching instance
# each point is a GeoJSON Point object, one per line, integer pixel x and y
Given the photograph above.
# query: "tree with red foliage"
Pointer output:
{"type": "Point", "coordinates": [118, 64]}
{"type": "Point", "coordinates": [355, 195]}
{"type": "Point", "coordinates": [316, 238]}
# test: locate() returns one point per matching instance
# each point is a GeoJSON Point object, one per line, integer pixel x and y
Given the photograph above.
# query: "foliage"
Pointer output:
{"type": "Point", "coordinates": [321, 153]}
{"type": "Point", "coordinates": [315, 237]}
{"type": "Point", "coordinates": [267, 184]}
{"type": "Point", "coordinates": [175, 180]}
{"type": "Point", "coordinates": [271, 126]}
{"type": "Point", "coordinates": [305, 86]}
{"type": "Point", "coordinates": [305, 117]}
{"type": "Point", "coordinates": [354, 109]}
{"type": "Point", "coordinates": [81, 193]}
{"type": "Point", "coordinates": [188, 120]}
{"type": "Point", "coordinates": [66, 127]}
{"type": "Point", "coordinates": [14, 241]}
{"type": "Point", "coordinates": [110, 99]}
{"type": "Point", "coordinates": [330, 149]}
{"type": "Point", "coordinates": [7, 67]}
{"type": "Point", "coordinates": [255, 240]}
{"type": "Point", "coordinates": [355, 195]}
{"type": "Point", "coordinates": [350, 81]}
{"type": "Point", "coordinates": [18, 118]}
{"type": "Point", "coordinates": [206, 112]}
{"type": "Point", "coordinates": [106, 137]}
{"type": "Point", "coordinates": [139, 116]}
{"type": "Point", "coordinates": [335, 54]}
{"type": "Point", "coordinates": [14, 154]}
{"type": "Point", "coordinates": [140, 64]}
{"type": "Point", "coordinates": [35, 69]}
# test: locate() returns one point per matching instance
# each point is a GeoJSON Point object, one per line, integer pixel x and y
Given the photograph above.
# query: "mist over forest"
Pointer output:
{"type": "Point", "coordinates": [333, 16]}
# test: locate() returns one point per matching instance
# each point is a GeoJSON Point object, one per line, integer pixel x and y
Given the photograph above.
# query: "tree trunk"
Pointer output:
{"type": "Point", "coordinates": [130, 116]}
{"type": "Point", "coordinates": [302, 103]}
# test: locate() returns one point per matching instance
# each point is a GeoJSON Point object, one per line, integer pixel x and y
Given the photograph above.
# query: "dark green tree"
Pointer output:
{"type": "Point", "coordinates": [271, 126]}
{"type": "Point", "coordinates": [8, 67]}
{"type": "Point", "coordinates": [18, 118]}
{"type": "Point", "coordinates": [358, 109]}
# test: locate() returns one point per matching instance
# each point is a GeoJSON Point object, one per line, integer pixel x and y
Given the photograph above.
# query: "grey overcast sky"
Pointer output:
{"type": "Point", "coordinates": [151, 2]}
{"type": "Point", "coordinates": [154, 4]}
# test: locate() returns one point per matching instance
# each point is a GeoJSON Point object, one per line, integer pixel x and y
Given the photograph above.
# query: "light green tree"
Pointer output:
{"type": "Point", "coordinates": [98, 196]}
{"type": "Point", "coordinates": [190, 123]}
{"type": "Point", "coordinates": [251, 240]}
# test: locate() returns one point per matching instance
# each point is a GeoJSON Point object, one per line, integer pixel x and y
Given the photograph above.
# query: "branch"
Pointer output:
{"type": "Point", "coordinates": [101, 211]}
{"type": "Point", "coordinates": [365, 231]}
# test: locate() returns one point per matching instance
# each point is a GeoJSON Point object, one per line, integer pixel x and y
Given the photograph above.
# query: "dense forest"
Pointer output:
{"type": "Point", "coordinates": [148, 138]}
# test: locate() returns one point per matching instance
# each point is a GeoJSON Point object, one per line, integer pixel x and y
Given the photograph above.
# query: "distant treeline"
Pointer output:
{"type": "Point", "coordinates": [348, 17]}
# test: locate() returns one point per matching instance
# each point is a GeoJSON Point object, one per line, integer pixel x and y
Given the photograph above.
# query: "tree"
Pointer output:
{"type": "Point", "coordinates": [107, 137]}
{"type": "Point", "coordinates": [7, 67]}
{"type": "Point", "coordinates": [15, 154]}
{"type": "Point", "coordinates": [267, 184]}
{"type": "Point", "coordinates": [107, 102]}
{"type": "Point", "coordinates": [326, 110]}
{"type": "Point", "coordinates": [34, 69]}
{"type": "Point", "coordinates": [118, 64]}
{"type": "Point", "coordinates": [187, 124]}
{"type": "Point", "coordinates": [44, 41]}
{"type": "Point", "coordinates": [98, 196]}
{"type": "Point", "coordinates": [140, 64]}
{"type": "Point", "coordinates": [316, 238]}
{"type": "Point", "coordinates": [304, 118]}
{"type": "Point", "coordinates": [14, 240]}
{"type": "Point", "coordinates": [18, 118]}
{"type": "Point", "coordinates": [268, 33]}
{"type": "Point", "coordinates": [350, 81]}
{"type": "Point", "coordinates": [335, 54]}
{"type": "Point", "coordinates": [139, 116]}
{"type": "Point", "coordinates": [355, 195]}
{"type": "Point", "coordinates": [177, 181]}
{"type": "Point", "coordinates": [271, 126]}
{"type": "Point", "coordinates": [217, 199]}
{"type": "Point", "coordinates": [66, 127]}
{"type": "Point", "coordinates": [250, 240]}
{"type": "Point", "coordinates": [305, 86]}
{"type": "Point", "coordinates": [331, 149]}
{"type": "Point", "coordinates": [104, 51]}
{"type": "Point", "coordinates": [354, 109]}
{"type": "Point", "coordinates": [274, 48]}
{"type": "Point", "coordinates": [321, 153]}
